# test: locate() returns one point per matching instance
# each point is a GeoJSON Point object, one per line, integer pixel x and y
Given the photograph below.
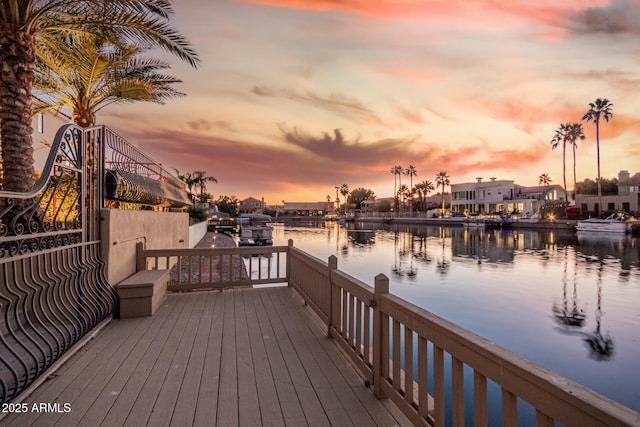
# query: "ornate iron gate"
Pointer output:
{"type": "Point", "coordinates": [53, 289]}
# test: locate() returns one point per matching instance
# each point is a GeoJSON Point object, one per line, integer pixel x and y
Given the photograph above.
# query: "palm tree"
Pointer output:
{"type": "Point", "coordinates": [544, 179]}
{"type": "Point", "coordinates": [201, 180]}
{"type": "Point", "coordinates": [403, 192]}
{"type": "Point", "coordinates": [397, 172]}
{"type": "Point", "coordinates": [600, 108]}
{"type": "Point", "coordinates": [411, 171]}
{"type": "Point", "coordinates": [187, 178]}
{"type": "Point", "coordinates": [425, 187]}
{"type": "Point", "coordinates": [24, 24]}
{"type": "Point", "coordinates": [575, 132]}
{"type": "Point", "coordinates": [562, 136]}
{"type": "Point", "coordinates": [344, 190]}
{"type": "Point", "coordinates": [442, 179]}
{"type": "Point", "coordinates": [89, 73]}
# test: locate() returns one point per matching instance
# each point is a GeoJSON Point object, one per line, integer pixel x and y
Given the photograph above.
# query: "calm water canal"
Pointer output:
{"type": "Point", "coordinates": [568, 302]}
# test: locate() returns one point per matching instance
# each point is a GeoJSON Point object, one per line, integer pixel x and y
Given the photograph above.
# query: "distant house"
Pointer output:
{"type": "Point", "coordinates": [497, 196]}
{"type": "Point", "coordinates": [627, 199]}
{"type": "Point", "coordinates": [251, 205]}
{"type": "Point", "coordinates": [307, 208]}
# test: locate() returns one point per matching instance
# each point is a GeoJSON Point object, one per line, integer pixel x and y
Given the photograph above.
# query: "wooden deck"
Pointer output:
{"type": "Point", "coordinates": [233, 358]}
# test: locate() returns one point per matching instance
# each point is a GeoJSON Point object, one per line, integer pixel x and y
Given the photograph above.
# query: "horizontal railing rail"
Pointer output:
{"type": "Point", "coordinates": [193, 269]}
{"type": "Point", "coordinates": [429, 367]}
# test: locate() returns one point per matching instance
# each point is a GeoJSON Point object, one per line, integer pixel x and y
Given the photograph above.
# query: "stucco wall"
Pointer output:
{"type": "Point", "coordinates": [122, 229]}
{"type": "Point", "coordinates": [197, 232]}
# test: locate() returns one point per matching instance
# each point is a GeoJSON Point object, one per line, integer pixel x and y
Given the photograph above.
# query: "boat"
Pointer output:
{"type": "Point", "coordinates": [617, 222]}
{"type": "Point", "coordinates": [255, 230]}
{"type": "Point", "coordinates": [482, 222]}
{"type": "Point", "coordinates": [331, 216]}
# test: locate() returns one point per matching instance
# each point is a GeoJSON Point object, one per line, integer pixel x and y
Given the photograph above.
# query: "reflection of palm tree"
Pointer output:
{"type": "Point", "coordinates": [601, 346]}
{"type": "Point", "coordinates": [443, 264]}
{"type": "Point", "coordinates": [574, 317]}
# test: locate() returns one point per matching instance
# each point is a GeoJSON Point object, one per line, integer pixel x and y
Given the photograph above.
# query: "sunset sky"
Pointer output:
{"type": "Point", "coordinates": [294, 97]}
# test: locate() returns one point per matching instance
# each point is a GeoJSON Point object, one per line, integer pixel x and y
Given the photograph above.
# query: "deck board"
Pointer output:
{"type": "Point", "coordinates": [242, 357]}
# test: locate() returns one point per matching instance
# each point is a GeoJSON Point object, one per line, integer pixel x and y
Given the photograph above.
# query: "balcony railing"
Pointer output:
{"type": "Point", "coordinates": [399, 348]}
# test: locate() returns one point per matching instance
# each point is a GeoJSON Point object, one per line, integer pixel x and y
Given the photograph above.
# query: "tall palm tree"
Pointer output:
{"type": "Point", "coordinates": [575, 132]}
{"type": "Point", "coordinates": [544, 179]}
{"type": "Point", "coordinates": [187, 178]}
{"type": "Point", "coordinates": [562, 136]}
{"type": "Point", "coordinates": [397, 172]}
{"type": "Point", "coordinates": [87, 73]}
{"type": "Point", "coordinates": [411, 171]}
{"type": "Point", "coordinates": [201, 179]}
{"type": "Point", "coordinates": [344, 190]}
{"type": "Point", "coordinates": [442, 179]}
{"type": "Point", "coordinates": [25, 23]}
{"type": "Point", "coordinates": [426, 186]}
{"type": "Point", "coordinates": [599, 109]}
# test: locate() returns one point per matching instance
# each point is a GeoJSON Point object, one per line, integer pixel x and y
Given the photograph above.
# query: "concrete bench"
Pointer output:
{"type": "Point", "coordinates": [142, 293]}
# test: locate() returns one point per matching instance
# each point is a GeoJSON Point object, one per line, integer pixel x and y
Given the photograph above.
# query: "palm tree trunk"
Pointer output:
{"type": "Point", "coordinates": [598, 156]}
{"type": "Point", "coordinates": [17, 56]}
{"type": "Point", "coordinates": [575, 180]}
{"type": "Point", "coordinates": [564, 170]}
{"type": "Point", "coordinates": [442, 213]}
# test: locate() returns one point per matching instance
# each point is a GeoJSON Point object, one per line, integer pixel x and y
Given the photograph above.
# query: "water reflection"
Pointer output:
{"type": "Point", "coordinates": [418, 245]}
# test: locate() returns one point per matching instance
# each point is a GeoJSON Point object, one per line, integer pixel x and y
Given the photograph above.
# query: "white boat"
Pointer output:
{"type": "Point", "coordinates": [618, 222]}
{"type": "Point", "coordinates": [255, 230]}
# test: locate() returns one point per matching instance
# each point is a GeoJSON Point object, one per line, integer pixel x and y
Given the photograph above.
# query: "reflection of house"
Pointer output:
{"type": "Point", "coordinates": [496, 196]}
{"type": "Point", "coordinates": [251, 205]}
{"type": "Point", "coordinates": [627, 199]}
{"type": "Point", "coordinates": [307, 208]}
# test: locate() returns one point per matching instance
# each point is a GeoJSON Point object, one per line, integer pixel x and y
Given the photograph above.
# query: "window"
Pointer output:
{"type": "Point", "coordinates": [40, 119]}
{"type": "Point", "coordinates": [625, 206]}
{"type": "Point", "coordinates": [611, 206]}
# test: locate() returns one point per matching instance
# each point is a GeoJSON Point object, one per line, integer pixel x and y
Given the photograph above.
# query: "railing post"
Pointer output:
{"type": "Point", "coordinates": [140, 259]}
{"type": "Point", "coordinates": [332, 265]}
{"type": "Point", "coordinates": [381, 287]}
{"type": "Point", "coordinates": [289, 246]}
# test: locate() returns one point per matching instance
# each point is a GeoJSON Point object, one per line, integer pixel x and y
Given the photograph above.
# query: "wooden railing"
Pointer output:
{"type": "Point", "coordinates": [193, 269]}
{"type": "Point", "coordinates": [413, 357]}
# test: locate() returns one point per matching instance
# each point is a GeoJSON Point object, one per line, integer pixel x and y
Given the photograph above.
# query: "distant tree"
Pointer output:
{"type": "Point", "coordinates": [561, 137]}
{"type": "Point", "coordinates": [403, 194]}
{"type": "Point", "coordinates": [590, 186]}
{"type": "Point", "coordinates": [544, 179]}
{"type": "Point", "coordinates": [201, 179]}
{"type": "Point", "coordinates": [600, 108]}
{"type": "Point", "coordinates": [187, 178]}
{"type": "Point", "coordinates": [359, 195]}
{"type": "Point", "coordinates": [228, 204]}
{"type": "Point", "coordinates": [575, 132]}
{"type": "Point", "coordinates": [344, 190]}
{"type": "Point", "coordinates": [411, 171]}
{"type": "Point", "coordinates": [383, 206]}
{"type": "Point", "coordinates": [423, 188]}
{"type": "Point", "coordinates": [397, 173]}
{"type": "Point", "coordinates": [442, 179]}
